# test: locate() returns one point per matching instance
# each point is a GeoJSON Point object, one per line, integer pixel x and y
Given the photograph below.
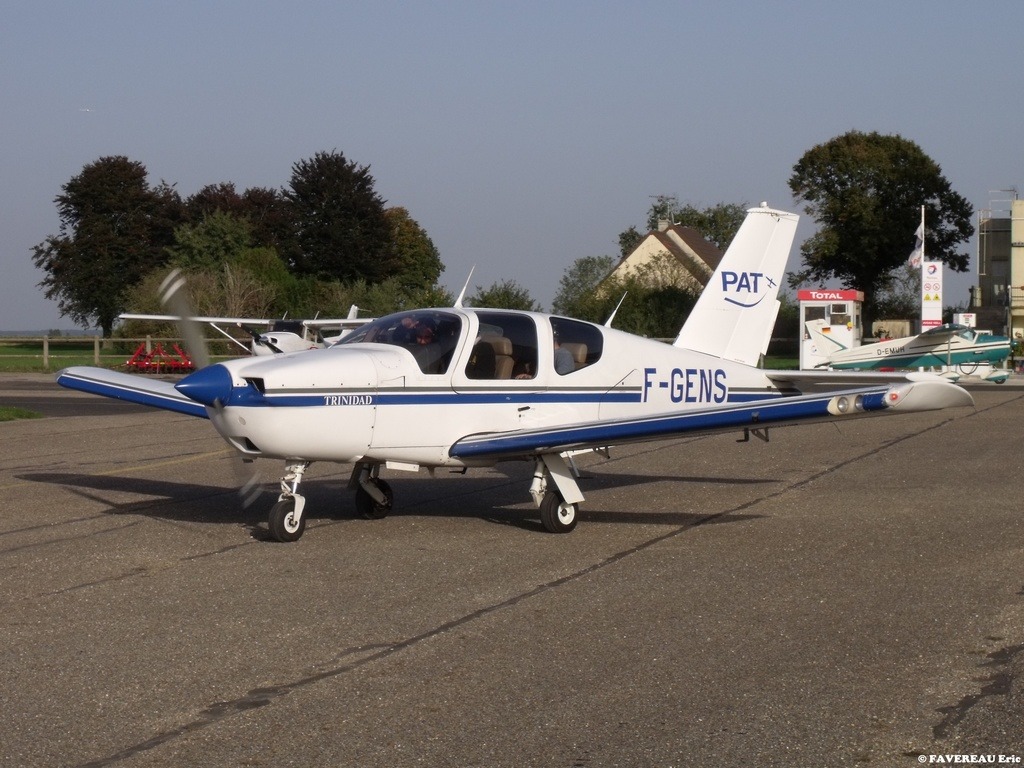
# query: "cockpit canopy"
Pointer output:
{"type": "Point", "coordinates": [507, 344]}
{"type": "Point", "coordinates": [431, 335]}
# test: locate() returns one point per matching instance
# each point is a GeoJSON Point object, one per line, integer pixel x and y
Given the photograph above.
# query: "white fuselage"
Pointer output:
{"type": "Point", "coordinates": [372, 401]}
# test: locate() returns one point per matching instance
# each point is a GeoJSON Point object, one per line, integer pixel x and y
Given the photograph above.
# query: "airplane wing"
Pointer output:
{"type": "Point", "coordinates": [132, 388]}
{"type": "Point", "coordinates": [802, 380]}
{"type": "Point", "coordinates": [177, 318]}
{"type": "Point", "coordinates": [917, 395]}
{"type": "Point", "coordinates": [320, 322]}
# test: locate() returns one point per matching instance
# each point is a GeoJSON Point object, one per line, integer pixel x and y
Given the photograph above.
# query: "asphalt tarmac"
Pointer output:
{"type": "Point", "coordinates": [846, 594]}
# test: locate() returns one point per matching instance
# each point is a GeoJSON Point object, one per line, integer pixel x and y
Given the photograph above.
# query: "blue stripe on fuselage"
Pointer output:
{"type": "Point", "coordinates": [449, 397]}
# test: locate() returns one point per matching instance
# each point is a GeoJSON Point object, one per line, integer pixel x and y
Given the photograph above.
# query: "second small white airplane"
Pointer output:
{"type": "Point", "coordinates": [950, 347]}
{"type": "Point", "coordinates": [460, 388]}
{"type": "Point", "coordinates": [277, 336]}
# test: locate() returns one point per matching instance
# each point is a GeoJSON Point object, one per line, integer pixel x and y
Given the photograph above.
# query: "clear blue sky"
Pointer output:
{"type": "Point", "coordinates": [520, 135]}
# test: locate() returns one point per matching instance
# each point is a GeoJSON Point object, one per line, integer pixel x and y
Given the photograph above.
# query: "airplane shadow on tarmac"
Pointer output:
{"type": "Point", "coordinates": [500, 500]}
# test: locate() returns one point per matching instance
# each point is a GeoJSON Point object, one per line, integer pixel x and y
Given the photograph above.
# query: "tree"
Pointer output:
{"type": "Point", "coordinates": [865, 191]}
{"type": "Point", "coordinates": [114, 228]}
{"type": "Point", "coordinates": [220, 251]}
{"type": "Point", "coordinates": [900, 297]}
{"type": "Point", "coordinates": [418, 262]}
{"type": "Point", "coordinates": [507, 294]}
{"type": "Point", "coordinates": [629, 240]}
{"type": "Point", "coordinates": [717, 223]}
{"type": "Point", "coordinates": [217, 238]}
{"type": "Point", "coordinates": [577, 288]}
{"type": "Point", "coordinates": [340, 227]}
{"type": "Point", "coordinates": [652, 303]}
{"type": "Point", "coordinates": [213, 198]}
{"type": "Point", "coordinates": [333, 299]}
{"type": "Point", "coordinates": [655, 312]}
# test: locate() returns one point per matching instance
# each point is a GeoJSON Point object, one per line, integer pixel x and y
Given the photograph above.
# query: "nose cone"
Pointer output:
{"type": "Point", "coordinates": [210, 386]}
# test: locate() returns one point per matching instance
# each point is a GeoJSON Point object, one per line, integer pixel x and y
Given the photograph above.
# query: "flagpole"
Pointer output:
{"type": "Point", "coordinates": [922, 240]}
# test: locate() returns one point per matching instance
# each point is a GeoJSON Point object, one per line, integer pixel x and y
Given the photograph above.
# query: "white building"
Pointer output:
{"type": "Point", "coordinates": [672, 254]}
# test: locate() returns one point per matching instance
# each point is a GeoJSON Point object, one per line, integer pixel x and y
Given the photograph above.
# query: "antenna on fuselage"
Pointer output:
{"type": "Point", "coordinates": [462, 293]}
{"type": "Point", "coordinates": [608, 322]}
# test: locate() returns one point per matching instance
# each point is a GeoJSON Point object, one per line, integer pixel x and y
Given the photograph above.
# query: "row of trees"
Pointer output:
{"type": "Point", "coordinates": [324, 238]}
{"type": "Point", "coordinates": [327, 240]}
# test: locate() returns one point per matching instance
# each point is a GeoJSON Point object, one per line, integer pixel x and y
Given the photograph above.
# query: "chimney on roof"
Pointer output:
{"type": "Point", "coordinates": [663, 224]}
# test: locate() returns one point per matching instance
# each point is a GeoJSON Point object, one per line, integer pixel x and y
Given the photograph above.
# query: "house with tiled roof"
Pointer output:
{"type": "Point", "coordinates": [671, 254]}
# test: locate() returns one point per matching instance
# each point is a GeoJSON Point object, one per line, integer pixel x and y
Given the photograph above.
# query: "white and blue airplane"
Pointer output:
{"type": "Point", "coordinates": [465, 387]}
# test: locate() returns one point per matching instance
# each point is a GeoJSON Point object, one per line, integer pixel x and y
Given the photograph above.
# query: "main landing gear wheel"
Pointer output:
{"type": "Point", "coordinates": [368, 507]}
{"type": "Point", "coordinates": [556, 515]}
{"type": "Point", "coordinates": [285, 524]}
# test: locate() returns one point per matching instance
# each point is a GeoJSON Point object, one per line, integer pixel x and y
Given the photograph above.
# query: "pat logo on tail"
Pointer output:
{"type": "Point", "coordinates": [748, 288]}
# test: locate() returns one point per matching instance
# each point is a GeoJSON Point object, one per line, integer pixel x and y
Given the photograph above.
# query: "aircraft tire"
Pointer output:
{"type": "Point", "coordinates": [368, 508]}
{"type": "Point", "coordinates": [282, 522]}
{"type": "Point", "coordinates": [555, 515]}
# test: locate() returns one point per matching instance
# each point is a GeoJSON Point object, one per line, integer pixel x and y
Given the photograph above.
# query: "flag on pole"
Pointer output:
{"type": "Point", "coordinates": [917, 254]}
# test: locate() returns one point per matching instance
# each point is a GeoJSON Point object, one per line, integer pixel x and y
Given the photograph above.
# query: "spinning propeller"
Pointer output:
{"type": "Point", "coordinates": [173, 297]}
{"type": "Point", "coordinates": [261, 340]}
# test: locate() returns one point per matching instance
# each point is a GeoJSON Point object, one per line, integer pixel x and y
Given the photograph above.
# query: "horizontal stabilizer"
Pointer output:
{"type": "Point", "coordinates": [131, 388]}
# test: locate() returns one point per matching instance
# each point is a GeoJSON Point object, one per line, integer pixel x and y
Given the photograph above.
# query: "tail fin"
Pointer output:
{"type": "Point", "coordinates": [734, 316]}
{"type": "Point", "coordinates": [826, 344]}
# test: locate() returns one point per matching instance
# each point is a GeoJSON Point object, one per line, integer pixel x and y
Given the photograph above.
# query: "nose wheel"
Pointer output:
{"type": "Point", "coordinates": [286, 520]}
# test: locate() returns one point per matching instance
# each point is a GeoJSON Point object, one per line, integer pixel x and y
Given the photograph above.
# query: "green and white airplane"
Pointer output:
{"type": "Point", "coordinates": [952, 347]}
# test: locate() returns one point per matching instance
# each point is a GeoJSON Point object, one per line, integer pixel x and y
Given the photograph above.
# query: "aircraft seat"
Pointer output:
{"type": "Point", "coordinates": [481, 362]}
{"type": "Point", "coordinates": [503, 360]}
{"type": "Point", "coordinates": [578, 352]}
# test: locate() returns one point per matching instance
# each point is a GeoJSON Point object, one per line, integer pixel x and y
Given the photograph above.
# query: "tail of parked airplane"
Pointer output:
{"type": "Point", "coordinates": [734, 316]}
{"type": "Point", "coordinates": [817, 330]}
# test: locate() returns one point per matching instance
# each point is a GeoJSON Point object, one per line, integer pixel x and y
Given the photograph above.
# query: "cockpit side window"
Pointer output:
{"type": "Point", "coordinates": [505, 347]}
{"type": "Point", "coordinates": [430, 335]}
{"type": "Point", "coordinates": [577, 344]}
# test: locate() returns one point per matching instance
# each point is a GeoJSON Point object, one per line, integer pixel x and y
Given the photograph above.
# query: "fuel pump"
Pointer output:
{"type": "Point", "coordinates": [841, 311]}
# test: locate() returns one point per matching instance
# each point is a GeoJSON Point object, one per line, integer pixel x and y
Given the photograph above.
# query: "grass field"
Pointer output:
{"type": "Point", "coordinates": [10, 414]}
{"type": "Point", "coordinates": [26, 355]}
{"type": "Point", "coordinates": [20, 355]}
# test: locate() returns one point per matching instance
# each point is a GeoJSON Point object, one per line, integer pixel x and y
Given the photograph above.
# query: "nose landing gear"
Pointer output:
{"type": "Point", "coordinates": [286, 521]}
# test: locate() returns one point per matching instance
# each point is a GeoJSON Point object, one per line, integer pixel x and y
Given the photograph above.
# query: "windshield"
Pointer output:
{"type": "Point", "coordinates": [430, 335]}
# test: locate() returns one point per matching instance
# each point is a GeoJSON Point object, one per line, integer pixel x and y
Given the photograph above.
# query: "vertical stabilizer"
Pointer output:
{"type": "Point", "coordinates": [825, 342]}
{"type": "Point", "coordinates": [735, 315]}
